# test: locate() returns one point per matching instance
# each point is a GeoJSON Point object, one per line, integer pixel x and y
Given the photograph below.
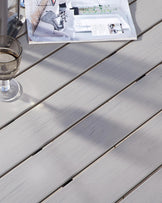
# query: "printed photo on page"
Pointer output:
{"type": "Point", "coordinates": [54, 21]}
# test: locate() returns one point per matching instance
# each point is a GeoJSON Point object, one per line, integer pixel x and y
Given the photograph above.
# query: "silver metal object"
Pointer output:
{"type": "Point", "coordinates": [3, 16]}
{"type": "Point", "coordinates": [11, 21]}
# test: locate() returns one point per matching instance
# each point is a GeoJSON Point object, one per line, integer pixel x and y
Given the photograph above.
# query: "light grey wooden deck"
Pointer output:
{"type": "Point", "coordinates": [88, 127]}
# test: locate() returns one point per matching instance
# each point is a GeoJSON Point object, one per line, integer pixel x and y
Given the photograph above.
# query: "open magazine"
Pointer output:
{"type": "Point", "coordinates": [78, 20]}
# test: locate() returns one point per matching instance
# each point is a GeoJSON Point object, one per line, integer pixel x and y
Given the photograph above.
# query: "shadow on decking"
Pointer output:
{"type": "Point", "coordinates": [112, 119]}
{"type": "Point", "coordinates": [107, 81]}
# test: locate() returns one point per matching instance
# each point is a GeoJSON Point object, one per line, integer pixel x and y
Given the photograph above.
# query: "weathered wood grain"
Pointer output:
{"type": "Point", "coordinates": [55, 164]}
{"type": "Point", "coordinates": [44, 171]}
{"type": "Point", "coordinates": [149, 191]}
{"type": "Point", "coordinates": [62, 67]}
{"type": "Point", "coordinates": [116, 172]}
{"type": "Point", "coordinates": [59, 112]}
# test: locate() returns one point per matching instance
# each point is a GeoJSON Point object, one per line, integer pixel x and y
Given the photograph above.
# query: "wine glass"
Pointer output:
{"type": "Point", "coordinates": [10, 57]}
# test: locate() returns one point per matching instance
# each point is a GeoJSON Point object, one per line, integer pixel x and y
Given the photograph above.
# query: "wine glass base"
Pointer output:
{"type": "Point", "coordinates": [13, 93]}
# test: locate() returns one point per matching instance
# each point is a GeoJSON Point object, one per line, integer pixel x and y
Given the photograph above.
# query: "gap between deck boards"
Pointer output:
{"type": "Point", "coordinates": [113, 53]}
{"type": "Point", "coordinates": [116, 145]}
{"type": "Point", "coordinates": [78, 120]}
{"type": "Point", "coordinates": [102, 155]}
{"type": "Point", "coordinates": [66, 183]}
{"type": "Point", "coordinates": [36, 104]}
{"type": "Point", "coordinates": [139, 184]}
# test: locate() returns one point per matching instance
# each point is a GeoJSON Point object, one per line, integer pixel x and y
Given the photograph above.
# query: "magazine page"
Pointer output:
{"type": "Point", "coordinates": [54, 21]}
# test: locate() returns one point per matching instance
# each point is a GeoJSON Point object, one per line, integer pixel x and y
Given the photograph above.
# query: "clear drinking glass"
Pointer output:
{"type": "Point", "coordinates": [10, 57]}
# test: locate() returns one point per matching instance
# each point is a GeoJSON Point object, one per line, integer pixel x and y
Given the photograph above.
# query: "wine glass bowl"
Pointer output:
{"type": "Point", "coordinates": [10, 57]}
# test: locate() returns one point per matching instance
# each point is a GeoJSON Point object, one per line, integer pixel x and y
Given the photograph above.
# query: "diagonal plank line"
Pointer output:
{"type": "Point", "coordinates": [75, 122]}
{"type": "Point", "coordinates": [45, 98]}
{"type": "Point", "coordinates": [115, 145]}
{"type": "Point", "coordinates": [106, 152]}
{"type": "Point", "coordinates": [42, 59]}
{"type": "Point", "coordinates": [100, 61]}
{"type": "Point", "coordinates": [139, 184]}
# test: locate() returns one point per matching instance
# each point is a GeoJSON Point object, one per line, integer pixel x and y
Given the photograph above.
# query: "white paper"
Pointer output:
{"type": "Point", "coordinates": [54, 21]}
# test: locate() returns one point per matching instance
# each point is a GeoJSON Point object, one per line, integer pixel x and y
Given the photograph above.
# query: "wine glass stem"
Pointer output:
{"type": "Point", "coordinates": [5, 85]}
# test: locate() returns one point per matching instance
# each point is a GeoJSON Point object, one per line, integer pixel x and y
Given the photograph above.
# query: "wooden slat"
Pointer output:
{"type": "Point", "coordinates": [62, 67]}
{"type": "Point", "coordinates": [34, 53]}
{"type": "Point", "coordinates": [149, 191]}
{"type": "Point", "coordinates": [115, 173]}
{"type": "Point", "coordinates": [76, 100]}
{"type": "Point", "coordinates": [143, 23]}
{"type": "Point", "coordinates": [52, 166]}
